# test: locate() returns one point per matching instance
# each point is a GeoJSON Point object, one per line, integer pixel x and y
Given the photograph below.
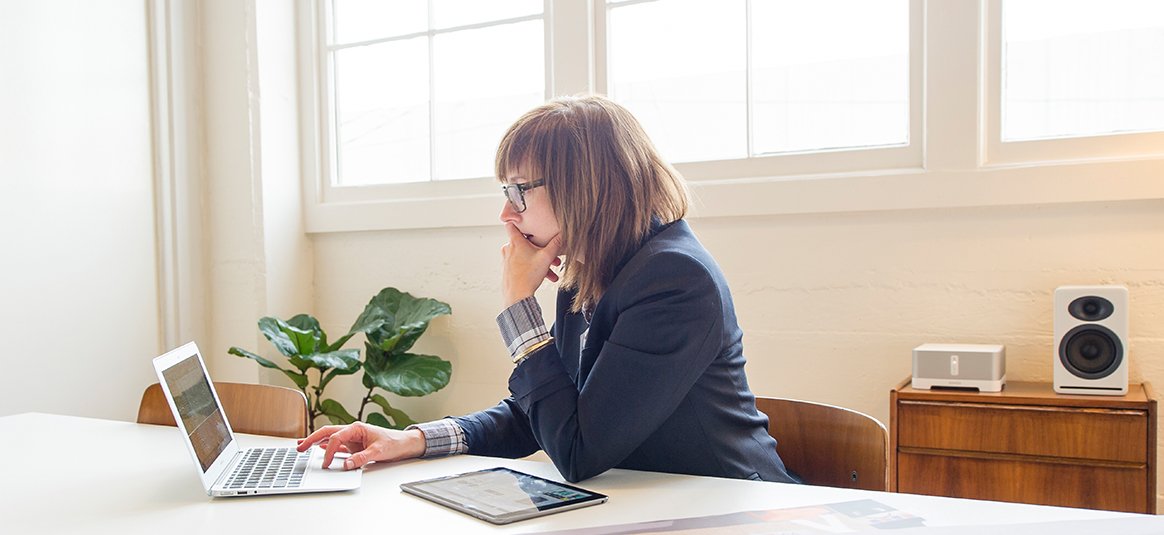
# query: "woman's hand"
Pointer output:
{"type": "Point", "coordinates": [524, 265]}
{"type": "Point", "coordinates": [366, 443]}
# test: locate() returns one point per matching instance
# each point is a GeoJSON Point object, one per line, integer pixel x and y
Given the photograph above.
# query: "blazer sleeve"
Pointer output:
{"type": "Point", "coordinates": [666, 333]}
{"type": "Point", "coordinates": [499, 431]}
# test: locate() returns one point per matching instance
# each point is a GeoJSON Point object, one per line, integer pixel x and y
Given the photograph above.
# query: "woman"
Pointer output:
{"type": "Point", "coordinates": [643, 368]}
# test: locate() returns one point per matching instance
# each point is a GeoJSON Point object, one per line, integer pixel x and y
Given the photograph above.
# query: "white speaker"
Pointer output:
{"type": "Point", "coordinates": [1091, 340]}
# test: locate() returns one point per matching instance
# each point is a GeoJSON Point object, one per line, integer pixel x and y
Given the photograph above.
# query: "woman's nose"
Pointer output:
{"type": "Point", "coordinates": [509, 214]}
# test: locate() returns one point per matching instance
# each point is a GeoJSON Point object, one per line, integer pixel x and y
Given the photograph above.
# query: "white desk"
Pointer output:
{"type": "Point", "coordinates": [66, 474]}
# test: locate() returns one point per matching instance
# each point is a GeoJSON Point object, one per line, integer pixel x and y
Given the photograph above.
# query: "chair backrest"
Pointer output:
{"type": "Point", "coordinates": [253, 409]}
{"type": "Point", "coordinates": [827, 445]}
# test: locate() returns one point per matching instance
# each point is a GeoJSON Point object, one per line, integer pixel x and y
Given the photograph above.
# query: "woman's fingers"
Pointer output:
{"type": "Point", "coordinates": [525, 265]}
{"type": "Point", "coordinates": [320, 435]}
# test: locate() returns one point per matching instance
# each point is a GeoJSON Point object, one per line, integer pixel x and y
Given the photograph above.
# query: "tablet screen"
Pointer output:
{"type": "Point", "coordinates": [501, 495]}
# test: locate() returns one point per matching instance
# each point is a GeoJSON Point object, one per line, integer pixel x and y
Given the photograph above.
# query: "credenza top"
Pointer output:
{"type": "Point", "coordinates": [1139, 396]}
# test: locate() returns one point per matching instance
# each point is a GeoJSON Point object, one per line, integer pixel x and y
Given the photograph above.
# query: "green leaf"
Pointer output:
{"type": "Point", "coordinates": [376, 359]}
{"type": "Point", "coordinates": [271, 328]}
{"type": "Point", "coordinates": [336, 412]}
{"type": "Point", "coordinates": [405, 318]}
{"type": "Point", "coordinates": [300, 379]}
{"type": "Point", "coordinates": [370, 319]}
{"type": "Point", "coordinates": [411, 375]}
{"type": "Point", "coordinates": [401, 420]}
{"type": "Point", "coordinates": [305, 332]}
{"type": "Point", "coordinates": [338, 371]}
{"type": "Point", "coordinates": [301, 362]}
{"type": "Point", "coordinates": [344, 359]}
{"type": "Point", "coordinates": [338, 343]}
{"type": "Point", "coordinates": [378, 419]}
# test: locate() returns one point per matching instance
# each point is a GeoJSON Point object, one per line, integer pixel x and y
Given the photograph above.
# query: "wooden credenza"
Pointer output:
{"type": "Point", "coordinates": [1026, 444]}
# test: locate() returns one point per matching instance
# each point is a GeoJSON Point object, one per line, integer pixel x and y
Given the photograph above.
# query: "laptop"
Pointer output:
{"type": "Point", "coordinates": [224, 467]}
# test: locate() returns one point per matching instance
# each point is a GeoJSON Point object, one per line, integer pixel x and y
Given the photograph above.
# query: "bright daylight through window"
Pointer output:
{"type": "Point", "coordinates": [423, 89]}
{"type": "Point", "coordinates": [1080, 67]}
{"type": "Point", "coordinates": [742, 79]}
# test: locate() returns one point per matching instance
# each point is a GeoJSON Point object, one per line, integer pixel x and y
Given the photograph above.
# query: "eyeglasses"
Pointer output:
{"type": "Point", "coordinates": [515, 193]}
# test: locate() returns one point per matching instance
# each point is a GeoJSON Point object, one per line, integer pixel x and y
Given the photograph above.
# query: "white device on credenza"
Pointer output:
{"type": "Point", "coordinates": [978, 366]}
{"type": "Point", "coordinates": [1091, 340]}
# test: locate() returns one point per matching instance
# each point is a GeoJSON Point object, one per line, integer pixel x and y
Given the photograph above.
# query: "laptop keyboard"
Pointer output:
{"type": "Point", "coordinates": [269, 468]}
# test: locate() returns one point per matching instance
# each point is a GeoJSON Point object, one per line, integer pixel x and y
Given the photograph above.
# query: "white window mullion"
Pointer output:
{"type": "Point", "coordinates": [571, 31]}
{"type": "Point", "coordinates": [432, 134]}
{"type": "Point", "coordinates": [748, 77]}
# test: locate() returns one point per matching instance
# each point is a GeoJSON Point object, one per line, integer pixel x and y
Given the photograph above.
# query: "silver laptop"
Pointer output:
{"type": "Point", "coordinates": [226, 469]}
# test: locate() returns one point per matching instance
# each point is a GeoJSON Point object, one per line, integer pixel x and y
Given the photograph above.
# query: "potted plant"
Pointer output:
{"type": "Point", "coordinates": [391, 322]}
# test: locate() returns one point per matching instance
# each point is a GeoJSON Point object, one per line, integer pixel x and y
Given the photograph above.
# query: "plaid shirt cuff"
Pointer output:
{"type": "Point", "coordinates": [441, 438]}
{"type": "Point", "coordinates": [522, 326]}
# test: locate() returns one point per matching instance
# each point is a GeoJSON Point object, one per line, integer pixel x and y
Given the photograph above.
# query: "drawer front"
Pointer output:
{"type": "Point", "coordinates": [1098, 434]}
{"type": "Point", "coordinates": [1066, 485]}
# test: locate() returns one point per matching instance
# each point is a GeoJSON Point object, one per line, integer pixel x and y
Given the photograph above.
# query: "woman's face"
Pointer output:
{"type": "Point", "coordinates": [537, 222]}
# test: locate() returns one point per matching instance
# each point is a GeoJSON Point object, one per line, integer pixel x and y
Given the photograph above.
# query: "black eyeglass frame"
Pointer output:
{"type": "Point", "coordinates": [514, 199]}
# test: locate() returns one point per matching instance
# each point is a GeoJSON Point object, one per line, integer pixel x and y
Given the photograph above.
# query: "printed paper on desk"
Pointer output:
{"type": "Point", "coordinates": [844, 517]}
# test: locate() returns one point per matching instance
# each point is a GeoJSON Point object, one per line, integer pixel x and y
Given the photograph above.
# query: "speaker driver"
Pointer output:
{"type": "Point", "coordinates": [1091, 308]}
{"type": "Point", "coordinates": [1091, 351]}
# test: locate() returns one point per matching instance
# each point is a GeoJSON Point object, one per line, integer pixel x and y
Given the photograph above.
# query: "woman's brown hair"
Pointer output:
{"type": "Point", "coordinates": [605, 181]}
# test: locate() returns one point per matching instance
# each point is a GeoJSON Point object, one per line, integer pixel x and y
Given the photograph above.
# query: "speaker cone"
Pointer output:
{"type": "Point", "coordinates": [1090, 308]}
{"type": "Point", "coordinates": [1091, 351]}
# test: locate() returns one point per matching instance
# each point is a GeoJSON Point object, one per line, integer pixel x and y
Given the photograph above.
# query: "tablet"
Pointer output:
{"type": "Point", "coordinates": [500, 495]}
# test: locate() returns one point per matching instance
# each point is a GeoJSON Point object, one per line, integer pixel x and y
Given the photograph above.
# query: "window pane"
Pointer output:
{"type": "Point", "coordinates": [483, 81]}
{"type": "Point", "coordinates": [679, 66]}
{"type": "Point", "coordinates": [1082, 67]}
{"type": "Point", "coordinates": [453, 13]}
{"type": "Point", "coordinates": [382, 112]}
{"type": "Point", "coordinates": [829, 74]}
{"type": "Point", "coordinates": [364, 20]}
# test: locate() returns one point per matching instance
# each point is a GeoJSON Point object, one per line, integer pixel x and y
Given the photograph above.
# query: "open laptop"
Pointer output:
{"type": "Point", "coordinates": [225, 468]}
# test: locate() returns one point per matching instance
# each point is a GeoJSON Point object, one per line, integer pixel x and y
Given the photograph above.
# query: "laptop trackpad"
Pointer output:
{"type": "Point", "coordinates": [333, 478]}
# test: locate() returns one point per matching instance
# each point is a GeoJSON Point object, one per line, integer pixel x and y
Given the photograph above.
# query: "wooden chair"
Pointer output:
{"type": "Point", "coordinates": [253, 409]}
{"type": "Point", "coordinates": [827, 445]}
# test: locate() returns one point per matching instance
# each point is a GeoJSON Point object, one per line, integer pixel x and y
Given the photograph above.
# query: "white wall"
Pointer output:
{"type": "Point", "coordinates": [78, 276]}
{"type": "Point", "coordinates": [830, 304]}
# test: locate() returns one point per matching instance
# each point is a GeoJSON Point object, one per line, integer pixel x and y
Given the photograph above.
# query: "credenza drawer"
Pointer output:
{"type": "Point", "coordinates": [1067, 432]}
{"type": "Point", "coordinates": [1067, 485]}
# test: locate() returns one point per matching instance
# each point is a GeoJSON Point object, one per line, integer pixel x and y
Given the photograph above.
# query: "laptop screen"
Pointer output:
{"type": "Point", "coordinates": [201, 416]}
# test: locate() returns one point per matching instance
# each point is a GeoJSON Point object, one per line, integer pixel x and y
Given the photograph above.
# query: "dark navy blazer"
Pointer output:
{"type": "Point", "coordinates": [658, 383]}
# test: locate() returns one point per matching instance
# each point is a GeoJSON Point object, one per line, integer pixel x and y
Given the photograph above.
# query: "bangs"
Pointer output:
{"type": "Point", "coordinates": [525, 148]}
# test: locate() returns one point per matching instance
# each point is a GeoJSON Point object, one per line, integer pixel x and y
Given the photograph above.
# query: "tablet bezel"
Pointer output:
{"type": "Point", "coordinates": [415, 488]}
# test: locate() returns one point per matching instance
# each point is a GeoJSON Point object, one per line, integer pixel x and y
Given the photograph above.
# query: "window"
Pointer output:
{"type": "Point", "coordinates": [1072, 80]}
{"type": "Point", "coordinates": [1079, 68]}
{"type": "Point", "coordinates": [423, 89]}
{"type": "Point", "coordinates": [761, 77]}
{"type": "Point", "coordinates": [766, 106]}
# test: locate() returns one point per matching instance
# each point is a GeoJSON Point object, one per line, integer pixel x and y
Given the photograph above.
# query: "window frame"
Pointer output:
{"type": "Point", "coordinates": [873, 158]}
{"type": "Point", "coordinates": [1078, 148]}
{"type": "Point", "coordinates": [954, 158]}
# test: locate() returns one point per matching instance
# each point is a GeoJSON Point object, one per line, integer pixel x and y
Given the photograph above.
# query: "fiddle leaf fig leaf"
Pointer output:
{"type": "Point", "coordinates": [305, 332]}
{"type": "Point", "coordinates": [338, 371]}
{"type": "Point", "coordinates": [375, 359]}
{"type": "Point", "coordinates": [412, 375]}
{"type": "Point", "coordinates": [300, 379]}
{"type": "Point", "coordinates": [377, 419]}
{"type": "Point", "coordinates": [270, 328]}
{"type": "Point", "coordinates": [336, 412]}
{"type": "Point", "coordinates": [344, 359]}
{"type": "Point", "coordinates": [405, 318]}
{"type": "Point", "coordinates": [371, 319]}
{"type": "Point", "coordinates": [399, 418]}
{"type": "Point", "coordinates": [300, 362]}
